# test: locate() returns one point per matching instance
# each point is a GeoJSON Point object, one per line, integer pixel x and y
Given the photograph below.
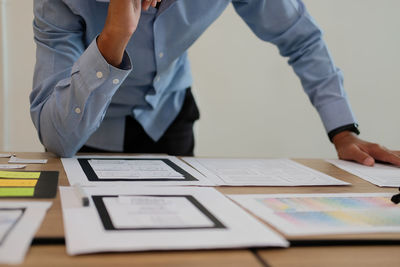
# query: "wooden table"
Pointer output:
{"type": "Point", "coordinates": [48, 248]}
{"type": "Point", "coordinates": [55, 255]}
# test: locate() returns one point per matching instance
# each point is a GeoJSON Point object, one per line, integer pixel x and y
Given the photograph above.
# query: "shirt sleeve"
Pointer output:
{"type": "Point", "coordinates": [73, 84]}
{"type": "Point", "coordinates": [287, 24]}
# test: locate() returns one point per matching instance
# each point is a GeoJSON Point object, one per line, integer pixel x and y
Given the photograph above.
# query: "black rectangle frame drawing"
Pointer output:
{"type": "Point", "coordinates": [46, 186]}
{"type": "Point", "coordinates": [92, 176]}
{"type": "Point", "coordinates": [14, 224]}
{"type": "Point", "coordinates": [108, 225]}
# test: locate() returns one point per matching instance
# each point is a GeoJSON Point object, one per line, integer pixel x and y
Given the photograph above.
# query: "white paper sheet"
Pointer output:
{"type": "Point", "coordinates": [154, 212]}
{"type": "Point", "coordinates": [217, 222]}
{"type": "Point", "coordinates": [5, 155]}
{"type": "Point", "coordinates": [14, 159]}
{"type": "Point", "coordinates": [8, 218]}
{"type": "Point", "coordinates": [171, 171]}
{"type": "Point", "coordinates": [12, 166]}
{"type": "Point", "coordinates": [380, 174]}
{"type": "Point", "coordinates": [260, 172]}
{"type": "Point", "coordinates": [19, 222]}
{"type": "Point", "coordinates": [321, 214]}
{"type": "Point", "coordinates": [145, 169]}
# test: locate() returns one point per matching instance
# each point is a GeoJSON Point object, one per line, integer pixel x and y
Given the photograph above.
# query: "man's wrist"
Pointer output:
{"type": "Point", "coordinates": [353, 127]}
{"type": "Point", "coordinates": [112, 48]}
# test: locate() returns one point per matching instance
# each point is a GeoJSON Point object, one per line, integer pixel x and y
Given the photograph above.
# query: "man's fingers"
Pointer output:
{"type": "Point", "coordinates": [382, 154]}
{"type": "Point", "coordinates": [356, 154]}
{"type": "Point", "coordinates": [137, 4]}
{"type": "Point", "coordinates": [146, 4]}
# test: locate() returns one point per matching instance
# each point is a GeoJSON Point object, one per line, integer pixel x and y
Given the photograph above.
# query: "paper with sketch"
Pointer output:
{"type": "Point", "coordinates": [138, 170]}
{"type": "Point", "coordinates": [313, 214]}
{"type": "Point", "coordinates": [145, 169]}
{"type": "Point", "coordinates": [382, 175]}
{"type": "Point", "coordinates": [158, 218]}
{"type": "Point", "coordinates": [19, 222]}
{"type": "Point", "coordinates": [262, 172]}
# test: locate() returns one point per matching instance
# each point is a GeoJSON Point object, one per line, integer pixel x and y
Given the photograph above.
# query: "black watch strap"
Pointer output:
{"type": "Point", "coordinates": [349, 127]}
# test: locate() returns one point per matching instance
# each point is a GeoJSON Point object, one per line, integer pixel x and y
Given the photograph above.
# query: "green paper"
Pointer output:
{"type": "Point", "coordinates": [20, 175]}
{"type": "Point", "coordinates": [17, 191]}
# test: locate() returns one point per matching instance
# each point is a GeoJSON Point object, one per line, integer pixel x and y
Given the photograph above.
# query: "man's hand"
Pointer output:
{"type": "Point", "coordinates": [122, 20]}
{"type": "Point", "coordinates": [350, 147]}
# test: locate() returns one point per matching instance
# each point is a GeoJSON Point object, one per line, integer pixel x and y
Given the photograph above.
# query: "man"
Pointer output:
{"type": "Point", "coordinates": [114, 75]}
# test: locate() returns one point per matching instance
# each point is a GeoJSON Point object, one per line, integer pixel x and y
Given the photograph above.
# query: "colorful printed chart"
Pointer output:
{"type": "Point", "coordinates": [28, 184]}
{"type": "Point", "coordinates": [307, 214]}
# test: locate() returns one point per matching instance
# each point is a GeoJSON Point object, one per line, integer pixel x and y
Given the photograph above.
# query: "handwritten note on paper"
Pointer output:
{"type": "Point", "coordinates": [20, 175]}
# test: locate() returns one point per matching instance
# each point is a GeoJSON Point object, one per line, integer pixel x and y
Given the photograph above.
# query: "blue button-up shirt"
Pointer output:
{"type": "Point", "coordinates": [78, 98]}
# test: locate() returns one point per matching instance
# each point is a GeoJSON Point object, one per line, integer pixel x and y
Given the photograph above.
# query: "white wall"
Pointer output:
{"type": "Point", "coordinates": [18, 132]}
{"type": "Point", "coordinates": [2, 80]}
{"type": "Point", "coordinates": [251, 102]}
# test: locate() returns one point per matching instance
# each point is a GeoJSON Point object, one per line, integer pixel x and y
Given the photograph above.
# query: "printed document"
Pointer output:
{"type": "Point", "coordinates": [133, 218]}
{"type": "Point", "coordinates": [320, 214]}
{"type": "Point", "coordinates": [19, 222]}
{"type": "Point", "coordinates": [127, 170]}
{"type": "Point", "coordinates": [262, 172]}
{"type": "Point", "coordinates": [154, 212]}
{"type": "Point", "coordinates": [115, 169]}
{"type": "Point", "coordinates": [382, 175]}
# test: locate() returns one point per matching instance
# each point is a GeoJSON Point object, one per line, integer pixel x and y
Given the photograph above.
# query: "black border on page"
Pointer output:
{"type": "Point", "coordinates": [108, 225]}
{"type": "Point", "coordinates": [92, 176]}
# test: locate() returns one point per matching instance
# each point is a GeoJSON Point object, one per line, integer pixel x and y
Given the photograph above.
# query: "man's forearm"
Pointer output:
{"type": "Point", "coordinates": [122, 20]}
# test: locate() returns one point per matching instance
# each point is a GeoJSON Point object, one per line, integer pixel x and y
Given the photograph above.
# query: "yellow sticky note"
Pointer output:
{"type": "Point", "coordinates": [17, 191]}
{"type": "Point", "coordinates": [18, 182]}
{"type": "Point", "coordinates": [20, 175]}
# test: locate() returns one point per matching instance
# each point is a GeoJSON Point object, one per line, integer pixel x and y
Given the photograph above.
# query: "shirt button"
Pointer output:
{"type": "Point", "coordinates": [116, 81]}
{"type": "Point", "coordinates": [157, 79]}
{"type": "Point", "coordinates": [99, 74]}
{"type": "Point", "coordinates": [77, 110]}
{"type": "Point", "coordinates": [161, 55]}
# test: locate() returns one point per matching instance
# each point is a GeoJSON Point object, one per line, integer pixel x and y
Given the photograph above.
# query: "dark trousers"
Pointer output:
{"type": "Point", "coordinates": [178, 139]}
